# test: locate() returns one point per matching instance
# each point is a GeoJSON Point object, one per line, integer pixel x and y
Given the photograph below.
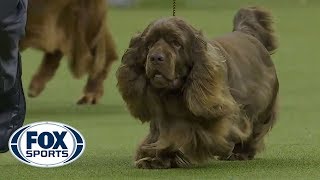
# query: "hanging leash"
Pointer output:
{"type": "Point", "coordinates": [174, 8]}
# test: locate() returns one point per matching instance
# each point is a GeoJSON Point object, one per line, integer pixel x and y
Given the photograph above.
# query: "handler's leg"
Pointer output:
{"type": "Point", "coordinates": [12, 102]}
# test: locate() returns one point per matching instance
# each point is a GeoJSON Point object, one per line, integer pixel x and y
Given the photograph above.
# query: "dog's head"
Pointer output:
{"type": "Point", "coordinates": [168, 43]}
{"type": "Point", "coordinates": [167, 50]}
{"type": "Point", "coordinates": [171, 54]}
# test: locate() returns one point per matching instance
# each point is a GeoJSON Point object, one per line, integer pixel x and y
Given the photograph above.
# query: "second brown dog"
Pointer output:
{"type": "Point", "coordinates": [76, 29]}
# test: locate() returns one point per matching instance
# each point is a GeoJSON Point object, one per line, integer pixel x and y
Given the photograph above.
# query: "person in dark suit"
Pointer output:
{"type": "Point", "coordinates": [13, 15]}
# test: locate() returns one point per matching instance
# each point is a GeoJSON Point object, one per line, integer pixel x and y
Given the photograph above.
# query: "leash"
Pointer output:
{"type": "Point", "coordinates": [174, 8]}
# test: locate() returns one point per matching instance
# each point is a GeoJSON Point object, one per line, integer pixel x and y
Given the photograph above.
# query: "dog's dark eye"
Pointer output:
{"type": "Point", "coordinates": [149, 45]}
{"type": "Point", "coordinates": [176, 44]}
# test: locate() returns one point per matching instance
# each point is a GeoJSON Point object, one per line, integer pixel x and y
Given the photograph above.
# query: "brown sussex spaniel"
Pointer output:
{"type": "Point", "coordinates": [203, 99]}
{"type": "Point", "coordinates": [77, 29]}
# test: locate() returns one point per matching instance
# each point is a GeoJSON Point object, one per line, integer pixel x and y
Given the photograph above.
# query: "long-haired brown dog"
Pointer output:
{"type": "Point", "coordinates": [77, 29]}
{"type": "Point", "coordinates": [203, 99]}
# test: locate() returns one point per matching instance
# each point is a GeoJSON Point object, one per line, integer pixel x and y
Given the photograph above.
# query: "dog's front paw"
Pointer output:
{"type": "Point", "coordinates": [235, 157]}
{"type": "Point", "coordinates": [35, 88]}
{"type": "Point", "coordinates": [152, 163]}
{"type": "Point", "coordinates": [89, 98]}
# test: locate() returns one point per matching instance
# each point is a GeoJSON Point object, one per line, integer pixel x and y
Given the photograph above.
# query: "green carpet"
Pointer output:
{"type": "Point", "coordinates": [293, 146]}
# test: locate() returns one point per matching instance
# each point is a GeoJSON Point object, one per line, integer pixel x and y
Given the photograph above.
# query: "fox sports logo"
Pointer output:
{"type": "Point", "coordinates": [47, 144]}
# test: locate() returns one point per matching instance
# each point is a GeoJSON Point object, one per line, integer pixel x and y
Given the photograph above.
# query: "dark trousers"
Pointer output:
{"type": "Point", "coordinates": [12, 28]}
{"type": "Point", "coordinates": [12, 102]}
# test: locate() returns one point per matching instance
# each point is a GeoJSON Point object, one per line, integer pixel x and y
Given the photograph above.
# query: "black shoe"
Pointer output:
{"type": "Point", "coordinates": [12, 111]}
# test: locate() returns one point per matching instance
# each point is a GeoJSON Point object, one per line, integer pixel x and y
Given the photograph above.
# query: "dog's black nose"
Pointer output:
{"type": "Point", "coordinates": [157, 57]}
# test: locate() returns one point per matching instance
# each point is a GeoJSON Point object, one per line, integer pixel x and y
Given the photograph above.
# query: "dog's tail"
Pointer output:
{"type": "Point", "coordinates": [256, 22]}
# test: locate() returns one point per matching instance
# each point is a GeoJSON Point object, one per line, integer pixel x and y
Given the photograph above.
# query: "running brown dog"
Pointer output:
{"type": "Point", "coordinates": [77, 29]}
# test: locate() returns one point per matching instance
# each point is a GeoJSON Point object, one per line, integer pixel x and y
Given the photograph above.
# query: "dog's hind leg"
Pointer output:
{"type": "Point", "coordinates": [105, 54]}
{"type": "Point", "coordinates": [94, 89]}
{"type": "Point", "coordinates": [255, 144]}
{"type": "Point", "coordinates": [45, 73]}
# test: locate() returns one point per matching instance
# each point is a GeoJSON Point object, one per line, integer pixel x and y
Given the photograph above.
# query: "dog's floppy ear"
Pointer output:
{"type": "Point", "coordinates": [206, 93]}
{"type": "Point", "coordinates": [131, 78]}
{"type": "Point", "coordinates": [135, 54]}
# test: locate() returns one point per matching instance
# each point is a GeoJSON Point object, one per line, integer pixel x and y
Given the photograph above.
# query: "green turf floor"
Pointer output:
{"type": "Point", "coordinates": [293, 146]}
